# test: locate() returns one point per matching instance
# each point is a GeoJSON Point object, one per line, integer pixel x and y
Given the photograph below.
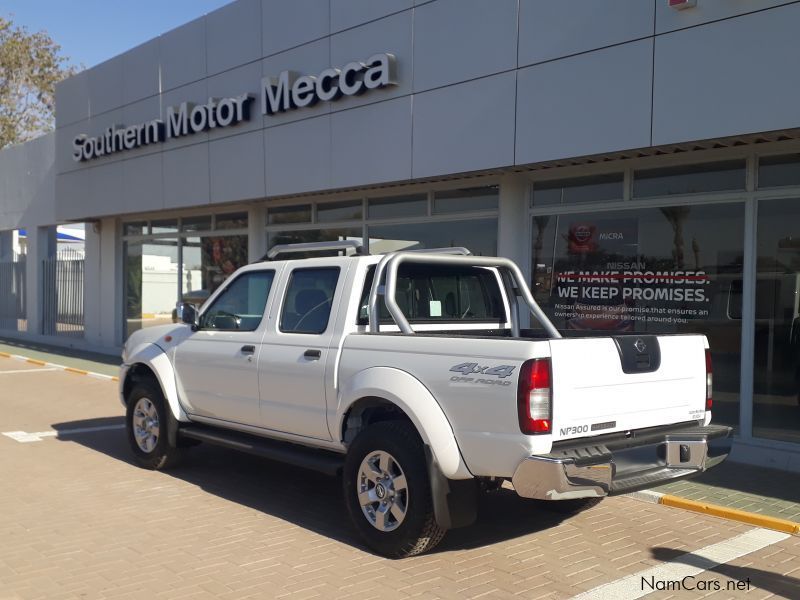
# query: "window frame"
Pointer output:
{"type": "Point", "coordinates": [287, 289]}
{"type": "Point", "coordinates": [500, 322]}
{"type": "Point", "coordinates": [224, 289]}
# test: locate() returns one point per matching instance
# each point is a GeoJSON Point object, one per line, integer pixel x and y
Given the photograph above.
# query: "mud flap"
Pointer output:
{"type": "Point", "coordinates": [172, 428]}
{"type": "Point", "coordinates": [455, 501]}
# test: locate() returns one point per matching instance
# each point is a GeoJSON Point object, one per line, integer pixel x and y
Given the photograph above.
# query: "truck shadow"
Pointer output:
{"type": "Point", "coordinates": [306, 498]}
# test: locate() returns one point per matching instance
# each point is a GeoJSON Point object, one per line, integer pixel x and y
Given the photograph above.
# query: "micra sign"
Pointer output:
{"type": "Point", "coordinates": [287, 91]}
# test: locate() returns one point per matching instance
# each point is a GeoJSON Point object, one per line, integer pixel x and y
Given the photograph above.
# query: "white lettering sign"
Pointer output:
{"type": "Point", "coordinates": [287, 91]}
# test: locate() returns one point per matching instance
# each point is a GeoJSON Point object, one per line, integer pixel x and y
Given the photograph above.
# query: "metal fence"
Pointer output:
{"type": "Point", "coordinates": [62, 294]}
{"type": "Point", "coordinates": [12, 294]}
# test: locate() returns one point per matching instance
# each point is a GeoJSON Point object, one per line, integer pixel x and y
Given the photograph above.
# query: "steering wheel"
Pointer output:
{"type": "Point", "coordinates": [221, 313]}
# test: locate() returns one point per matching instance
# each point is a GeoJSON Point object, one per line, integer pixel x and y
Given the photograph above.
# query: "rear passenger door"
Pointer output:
{"type": "Point", "coordinates": [296, 353]}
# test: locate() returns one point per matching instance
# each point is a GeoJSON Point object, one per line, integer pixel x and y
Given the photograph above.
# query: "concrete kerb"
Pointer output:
{"type": "Point", "coordinates": [724, 512]}
{"type": "Point", "coordinates": [42, 363]}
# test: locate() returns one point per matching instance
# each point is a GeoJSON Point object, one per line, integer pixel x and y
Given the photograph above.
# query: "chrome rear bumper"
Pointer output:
{"type": "Point", "coordinates": [613, 465]}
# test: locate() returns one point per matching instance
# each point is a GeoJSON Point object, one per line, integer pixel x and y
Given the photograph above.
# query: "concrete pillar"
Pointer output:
{"type": "Point", "coordinates": [41, 245]}
{"type": "Point", "coordinates": [111, 286]}
{"type": "Point", "coordinates": [92, 292]}
{"type": "Point", "coordinates": [103, 286]}
{"type": "Point", "coordinates": [513, 239]}
{"type": "Point", "coordinates": [513, 231]}
{"type": "Point", "coordinates": [256, 234]}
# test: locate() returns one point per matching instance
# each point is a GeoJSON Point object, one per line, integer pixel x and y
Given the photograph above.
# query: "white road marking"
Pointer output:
{"type": "Point", "coordinates": [33, 370]}
{"type": "Point", "coordinates": [685, 565]}
{"type": "Point", "coordinates": [23, 437]}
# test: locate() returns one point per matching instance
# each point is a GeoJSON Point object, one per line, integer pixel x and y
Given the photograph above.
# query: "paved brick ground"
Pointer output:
{"type": "Point", "coordinates": [77, 520]}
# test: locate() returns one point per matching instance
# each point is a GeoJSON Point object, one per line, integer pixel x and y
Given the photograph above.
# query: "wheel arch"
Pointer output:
{"type": "Point", "coordinates": [150, 361]}
{"type": "Point", "coordinates": [381, 393]}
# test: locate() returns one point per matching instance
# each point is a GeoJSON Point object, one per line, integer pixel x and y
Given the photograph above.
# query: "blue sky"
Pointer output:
{"type": "Point", "coordinates": [91, 31]}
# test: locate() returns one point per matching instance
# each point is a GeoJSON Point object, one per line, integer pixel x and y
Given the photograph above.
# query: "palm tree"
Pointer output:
{"type": "Point", "coordinates": [677, 215]}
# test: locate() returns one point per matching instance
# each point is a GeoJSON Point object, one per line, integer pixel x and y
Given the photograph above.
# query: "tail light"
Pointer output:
{"type": "Point", "coordinates": [709, 380]}
{"type": "Point", "coordinates": [534, 397]}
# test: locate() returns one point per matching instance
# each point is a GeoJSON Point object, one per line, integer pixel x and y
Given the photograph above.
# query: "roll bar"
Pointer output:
{"type": "Point", "coordinates": [377, 288]}
{"type": "Point", "coordinates": [512, 278]}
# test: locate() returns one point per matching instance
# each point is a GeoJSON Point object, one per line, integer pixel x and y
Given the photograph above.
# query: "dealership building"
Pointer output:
{"type": "Point", "coordinates": [640, 161]}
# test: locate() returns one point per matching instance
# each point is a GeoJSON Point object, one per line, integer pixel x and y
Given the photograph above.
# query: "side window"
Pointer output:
{"type": "Point", "coordinates": [309, 295]}
{"type": "Point", "coordinates": [431, 294]}
{"type": "Point", "coordinates": [240, 306]}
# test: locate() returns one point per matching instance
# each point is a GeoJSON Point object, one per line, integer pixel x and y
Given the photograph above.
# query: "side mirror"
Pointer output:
{"type": "Point", "coordinates": [187, 313]}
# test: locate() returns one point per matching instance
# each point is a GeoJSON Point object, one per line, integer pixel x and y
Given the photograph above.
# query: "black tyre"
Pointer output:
{"type": "Point", "coordinates": [387, 490]}
{"type": "Point", "coordinates": [146, 422]}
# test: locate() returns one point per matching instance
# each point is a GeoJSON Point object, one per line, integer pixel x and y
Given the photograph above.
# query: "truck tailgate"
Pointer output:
{"type": "Point", "coordinates": [602, 385]}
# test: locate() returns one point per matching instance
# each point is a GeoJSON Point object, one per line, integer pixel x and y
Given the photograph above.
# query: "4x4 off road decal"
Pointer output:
{"type": "Point", "coordinates": [473, 368]}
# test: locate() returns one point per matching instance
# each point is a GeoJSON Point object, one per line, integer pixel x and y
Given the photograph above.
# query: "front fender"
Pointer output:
{"type": "Point", "coordinates": [414, 399]}
{"type": "Point", "coordinates": [156, 359]}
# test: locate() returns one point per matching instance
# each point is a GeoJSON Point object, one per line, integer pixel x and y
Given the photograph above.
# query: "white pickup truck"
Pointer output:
{"type": "Point", "coordinates": [409, 374]}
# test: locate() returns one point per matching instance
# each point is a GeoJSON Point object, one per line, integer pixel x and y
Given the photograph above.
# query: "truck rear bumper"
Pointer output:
{"type": "Point", "coordinates": [617, 465]}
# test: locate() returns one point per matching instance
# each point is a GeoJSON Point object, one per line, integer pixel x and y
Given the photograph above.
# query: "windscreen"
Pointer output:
{"type": "Point", "coordinates": [441, 294]}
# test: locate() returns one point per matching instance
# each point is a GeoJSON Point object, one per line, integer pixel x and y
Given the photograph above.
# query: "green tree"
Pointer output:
{"type": "Point", "coordinates": [30, 66]}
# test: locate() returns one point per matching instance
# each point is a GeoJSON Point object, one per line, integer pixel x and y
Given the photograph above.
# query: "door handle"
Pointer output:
{"type": "Point", "coordinates": [248, 349]}
{"type": "Point", "coordinates": [312, 354]}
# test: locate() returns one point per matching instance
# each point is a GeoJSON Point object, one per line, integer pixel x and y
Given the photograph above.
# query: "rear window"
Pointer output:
{"type": "Point", "coordinates": [441, 294]}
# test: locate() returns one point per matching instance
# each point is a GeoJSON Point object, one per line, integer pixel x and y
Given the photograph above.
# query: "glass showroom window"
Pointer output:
{"type": "Point", "coordinates": [151, 282]}
{"type": "Point", "coordinates": [600, 188]}
{"type": "Point", "coordinates": [453, 217]}
{"type": "Point", "coordinates": [674, 269]}
{"type": "Point", "coordinates": [692, 179]}
{"type": "Point", "coordinates": [167, 260]}
{"type": "Point", "coordinates": [776, 369]}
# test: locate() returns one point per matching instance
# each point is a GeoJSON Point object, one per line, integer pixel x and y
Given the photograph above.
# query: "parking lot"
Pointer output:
{"type": "Point", "coordinates": [78, 520]}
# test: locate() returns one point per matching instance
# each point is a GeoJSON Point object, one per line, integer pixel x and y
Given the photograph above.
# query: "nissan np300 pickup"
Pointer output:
{"type": "Point", "coordinates": [411, 376]}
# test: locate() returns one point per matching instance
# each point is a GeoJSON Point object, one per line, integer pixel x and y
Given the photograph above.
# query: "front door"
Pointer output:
{"type": "Point", "coordinates": [296, 353]}
{"type": "Point", "coordinates": [217, 366]}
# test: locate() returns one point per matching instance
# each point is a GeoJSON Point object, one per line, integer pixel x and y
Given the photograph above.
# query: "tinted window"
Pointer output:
{"type": "Point", "coordinates": [482, 198]}
{"type": "Point", "coordinates": [776, 368]}
{"type": "Point", "coordinates": [430, 294]}
{"type": "Point", "coordinates": [403, 206]}
{"type": "Point", "coordinates": [339, 211]}
{"type": "Point", "coordinates": [778, 171]}
{"type": "Point", "coordinates": [240, 306]}
{"type": "Point", "coordinates": [479, 235]}
{"type": "Point", "coordinates": [232, 221]}
{"type": "Point", "coordinates": [307, 306]}
{"type": "Point", "coordinates": [692, 179]}
{"type": "Point", "coordinates": [584, 189]}
{"type": "Point", "coordinates": [289, 214]}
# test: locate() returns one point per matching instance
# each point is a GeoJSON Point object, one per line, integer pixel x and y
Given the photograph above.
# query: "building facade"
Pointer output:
{"type": "Point", "coordinates": [641, 163]}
